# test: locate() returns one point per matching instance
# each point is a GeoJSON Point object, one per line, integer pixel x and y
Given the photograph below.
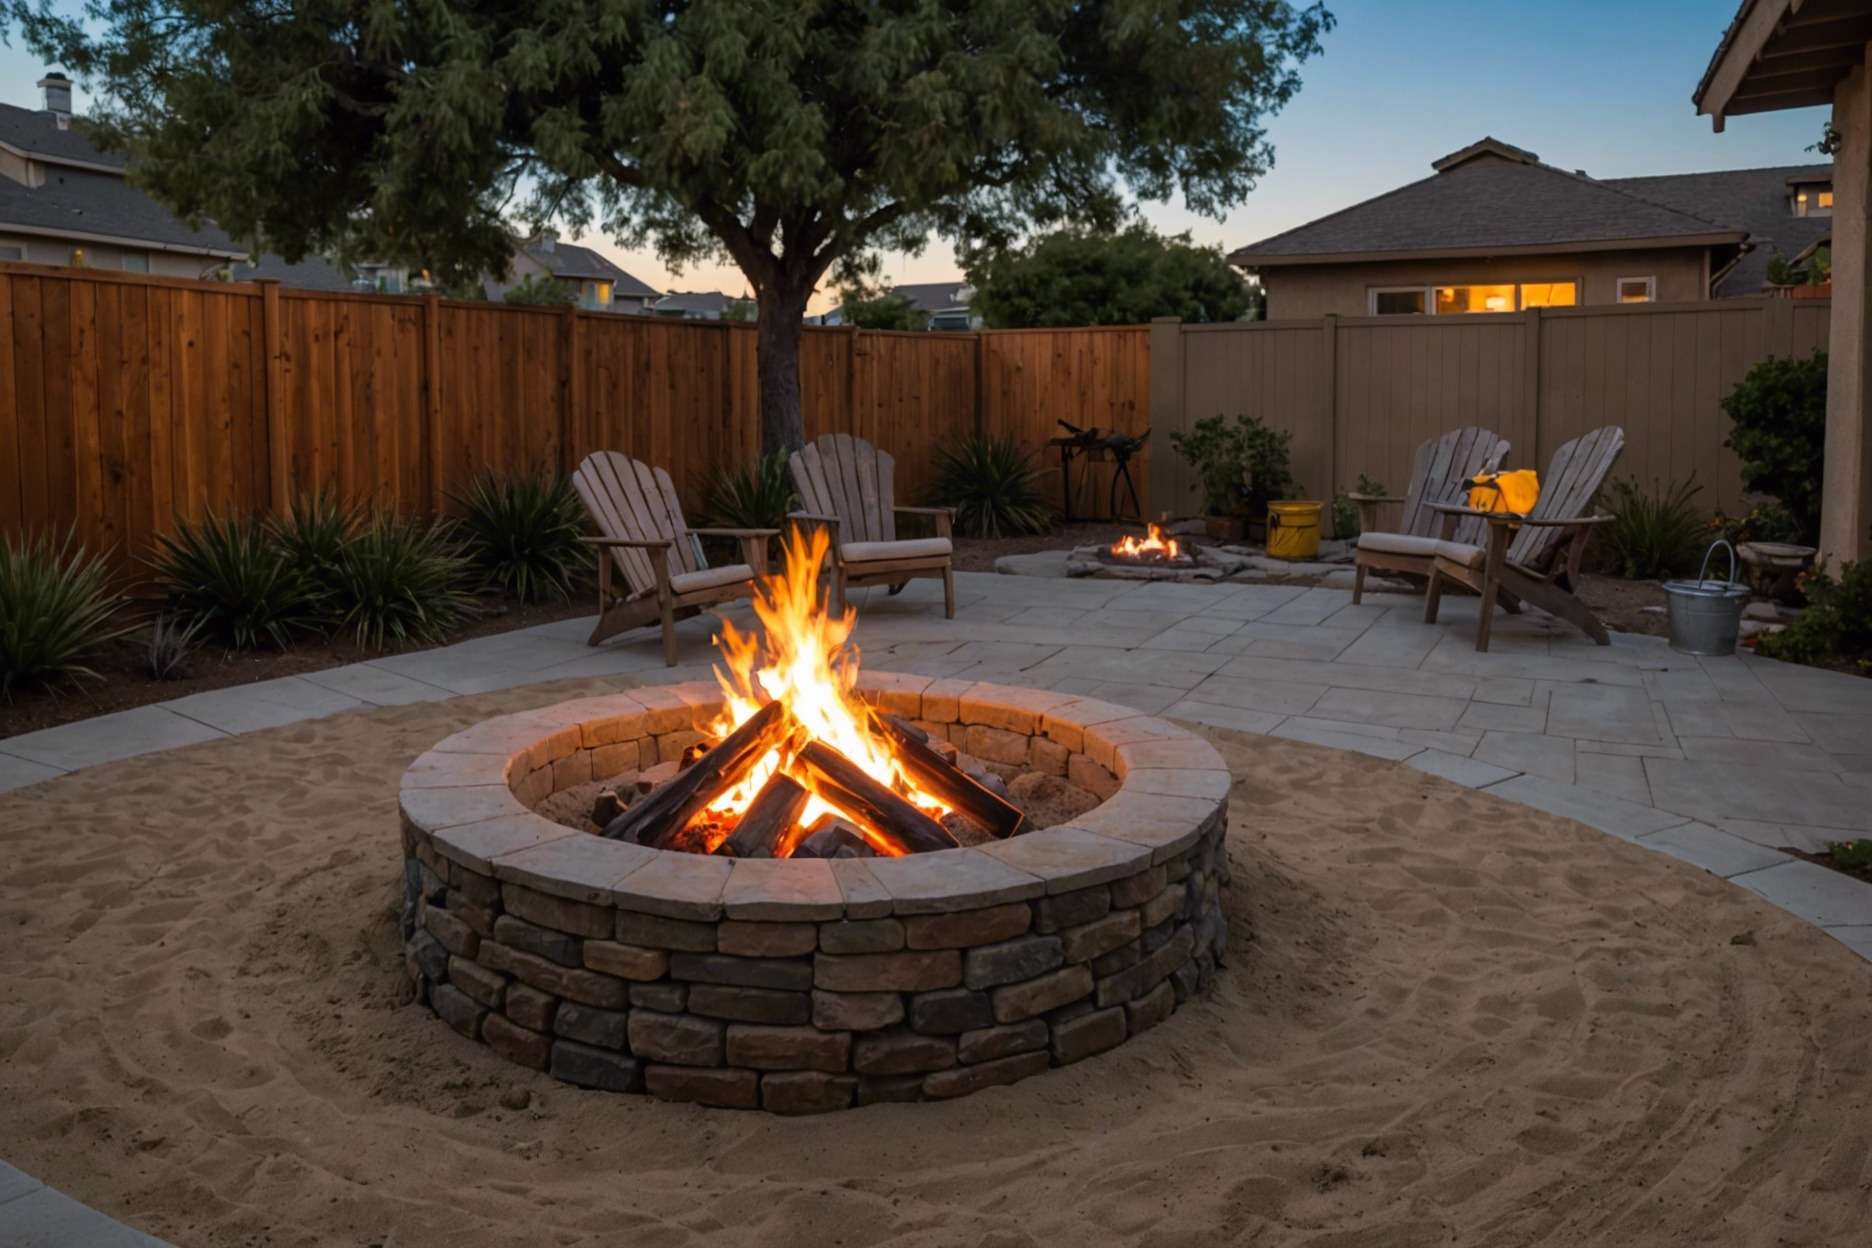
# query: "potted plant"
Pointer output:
{"type": "Point", "coordinates": [1240, 468]}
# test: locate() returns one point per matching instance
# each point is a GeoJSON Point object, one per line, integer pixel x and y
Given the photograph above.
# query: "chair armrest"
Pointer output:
{"type": "Point", "coordinates": [660, 543]}
{"type": "Point", "coordinates": [1462, 509]}
{"type": "Point", "coordinates": [1560, 524]}
{"type": "Point", "coordinates": [814, 516]}
{"type": "Point", "coordinates": [734, 532]}
{"type": "Point", "coordinates": [944, 517]}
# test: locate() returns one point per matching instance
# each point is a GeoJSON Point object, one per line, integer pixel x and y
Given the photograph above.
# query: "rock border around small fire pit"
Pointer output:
{"type": "Point", "coordinates": [801, 986]}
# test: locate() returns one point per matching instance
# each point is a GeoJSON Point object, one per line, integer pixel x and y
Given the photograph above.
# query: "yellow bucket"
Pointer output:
{"type": "Point", "coordinates": [1293, 530]}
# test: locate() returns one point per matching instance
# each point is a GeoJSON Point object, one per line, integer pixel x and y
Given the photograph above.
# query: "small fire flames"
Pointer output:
{"type": "Point", "coordinates": [1157, 546]}
{"type": "Point", "coordinates": [797, 764]}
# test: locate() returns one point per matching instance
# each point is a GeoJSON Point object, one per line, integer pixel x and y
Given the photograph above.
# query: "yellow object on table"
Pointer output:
{"type": "Point", "coordinates": [1513, 492]}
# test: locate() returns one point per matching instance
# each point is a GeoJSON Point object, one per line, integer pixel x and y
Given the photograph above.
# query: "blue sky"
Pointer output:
{"type": "Point", "coordinates": [1597, 85]}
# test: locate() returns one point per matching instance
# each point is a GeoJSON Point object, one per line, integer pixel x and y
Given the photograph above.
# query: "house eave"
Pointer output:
{"type": "Point", "coordinates": [119, 240]}
{"type": "Point", "coordinates": [47, 158]}
{"type": "Point", "coordinates": [1780, 54]}
{"type": "Point", "coordinates": [1248, 260]}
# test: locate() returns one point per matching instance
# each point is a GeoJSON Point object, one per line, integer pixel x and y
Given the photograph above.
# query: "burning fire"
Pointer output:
{"type": "Point", "coordinates": [802, 660]}
{"type": "Point", "coordinates": [1156, 545]}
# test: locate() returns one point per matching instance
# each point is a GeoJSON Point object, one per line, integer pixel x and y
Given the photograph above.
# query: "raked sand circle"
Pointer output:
{"type": "Point", "coordinates": [1447, 1019]}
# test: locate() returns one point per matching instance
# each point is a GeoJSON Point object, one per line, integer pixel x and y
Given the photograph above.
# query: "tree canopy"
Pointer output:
{"type": "Point", "coordinates": [880, 310]}
{"type": "Point", "coordinates": [1085, 277]}
{"type": "Point", "coordinates": [542, 290]}
{"type": "Point", "coordinates": [793, 138]}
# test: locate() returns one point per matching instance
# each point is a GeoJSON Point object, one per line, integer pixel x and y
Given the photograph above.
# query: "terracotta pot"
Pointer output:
{"type": "Point", "coordinates": [1224, 528]}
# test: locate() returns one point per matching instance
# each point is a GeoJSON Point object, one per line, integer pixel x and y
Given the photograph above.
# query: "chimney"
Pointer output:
{"type": "Point", "coordinates": [547, 238]}
{"type": "Point", "coordinates": [57, 89]}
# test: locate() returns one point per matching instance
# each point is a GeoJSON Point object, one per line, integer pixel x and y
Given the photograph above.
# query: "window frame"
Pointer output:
{"type": "Point", "coordinates": [1650, 285]}
{"type": "Point", "coordinates": [1428, 295]}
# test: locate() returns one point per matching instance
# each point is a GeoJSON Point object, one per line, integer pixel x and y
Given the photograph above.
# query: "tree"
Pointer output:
{"type": "Point", "coordinates": [796, 139]}
{"type": "Point", "coordinates": [1085, 277]}
{"type": "Point", "coordinates": [740, 310]}
{"type": "Point", "coordinates": [543, 290]}
{"type": "Point", "coordinates": [882, 310]}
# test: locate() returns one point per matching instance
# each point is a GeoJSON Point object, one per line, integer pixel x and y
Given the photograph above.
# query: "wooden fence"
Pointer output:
{"type": "Point", "coordinates": [1360, 393]}
{"type": "Point", "coordinates": [128, 401]}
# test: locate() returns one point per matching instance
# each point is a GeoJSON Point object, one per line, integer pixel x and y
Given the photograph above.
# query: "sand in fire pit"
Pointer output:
{"type": "Point", "coordinates": [1458, 1023]}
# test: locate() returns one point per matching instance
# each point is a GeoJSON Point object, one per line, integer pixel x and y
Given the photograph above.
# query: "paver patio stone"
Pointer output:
{"type": "Point", "coordinates": [1782, 754]}
{"type": "Point", "coordinates": [1618, 774]}
{"type": "Point", "coordinates": [1317, 732]}
{"type": "Point", "coordinates": [107, 738]}
{"type": "Point", "coordinates": [1531, 752]}
{"type": "Point", "coordinates": [37, 1216]}
{"type": "Point", "coordinates": [1837, 734]}
{"type": "Point", "coordinates": [1759, 719]}
{"type": "Point", "coordinates": [1469, 772]}
{"type": "Point", "coordinates": [17, 773]}
{"type": "Point", "coordinates": [1813, 892]}
{"type": "Point", "coordinates": [1715, 791]}
{"type": "Point", "coordinates": [1224, 716]}
{"type": "Point", "coordinates": [1856, 937]}
{"type": "Point", "coordinates": [1397, 710]}
{"type": "Point", "coordinates": [1603, 713]}
{"type": "Point", "coordinates": [1282, 697]}
{"type": "Point", "coordinates": [379, 686]}
{"type": "Point", "coordinates": [1712, 849]}
{"type": "Point", "coordinates": [1777, 835]}
{"type": "Point", "coordinates": [1612, 815]}
{"type": "Point", "coordinates": [262, 704]}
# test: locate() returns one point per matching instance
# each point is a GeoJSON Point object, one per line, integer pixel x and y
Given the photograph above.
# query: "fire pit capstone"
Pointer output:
{"type": "Point", "coordinates": [805, 985]}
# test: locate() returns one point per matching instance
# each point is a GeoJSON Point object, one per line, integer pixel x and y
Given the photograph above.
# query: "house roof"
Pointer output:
{"type": "Point", "coordinates": [1780, 54]}
{"type": "Point", "coordinates": [935, 296]}
{"type": "Point", "coordinates": [704, 301]}
{"type": "Point", "coordinates": [1755, 200]}
{"type": "Point", "coordinates": [104, 208]}
{"type": "Point", "coordinates": [1489, 198]}
{"type": "Point", "coordinates": [37, 133]}
{"type": "Point", "coordinates": [311, 273]}
{"type": "Point", "coordinates": [570, 260]}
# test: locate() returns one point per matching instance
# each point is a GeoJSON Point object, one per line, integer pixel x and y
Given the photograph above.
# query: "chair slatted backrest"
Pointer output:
{"type": "Point", "coordinates": [1575, 474]}
{"type": "Point", "coordinates": [840, 475]}
{"type": "Point", "coordinates": [1437, 474]}
{"type": "Point", "coordinates": [632, 501]}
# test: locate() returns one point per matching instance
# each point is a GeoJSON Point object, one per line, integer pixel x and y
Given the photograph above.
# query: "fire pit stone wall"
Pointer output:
{"type": "Point", "coordinates": [800, 985]}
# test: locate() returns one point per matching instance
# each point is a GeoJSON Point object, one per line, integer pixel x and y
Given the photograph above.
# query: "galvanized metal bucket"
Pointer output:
{"type": "Point", "coordinates": [1706, 615]}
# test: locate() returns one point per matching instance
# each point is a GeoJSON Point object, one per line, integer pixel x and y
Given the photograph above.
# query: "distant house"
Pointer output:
{"type": "Point", "coordinates": [708, 305]}
{"type": "Point", "coordinates": [947, 303]}
{"type": "Point", "coordinates": [1495, 230]}
{"type": "Point", "coordinates": [602, 286]}
{"type": "Point", "coordinates": [65, 202]}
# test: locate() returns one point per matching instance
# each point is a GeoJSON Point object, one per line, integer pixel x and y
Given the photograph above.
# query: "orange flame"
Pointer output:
{"type": "Point", "coordinates": [804, 660]}
{"type": "Point", "coordinates": [1157, 545]}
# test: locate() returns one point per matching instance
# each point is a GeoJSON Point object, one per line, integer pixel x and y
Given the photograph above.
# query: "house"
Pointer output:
{"type": "Point", "coordinates": [601, 285]}
{"type": "Point", "coordinates": [1493, 229]}
{"type": "Point", "coordinates": [1781, 54]}
{"type": "Point", "coordinates": [947, 303]}
{"type": "Point", "coordinates": [709, 305]}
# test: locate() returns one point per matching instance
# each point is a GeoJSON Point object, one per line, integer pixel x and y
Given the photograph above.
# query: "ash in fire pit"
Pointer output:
{"type": "Point", "coordinates": [797, 765]}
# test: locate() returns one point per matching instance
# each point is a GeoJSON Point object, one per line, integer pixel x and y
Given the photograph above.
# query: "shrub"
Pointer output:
{"type": "Point", "coordinates": [237, 580]}
{"type": "Point", "coordinates": [171, 644]}
{"type": "Point", "coordinates": [1764, 522]}
{"type": "Point", "coordinates": [1852, 855]}
{"type": "Point", "coordinates": [1345, 512]}
{"type": "Point", "coordinates": [313, 532]}
{"type": "Point", "coordinates": [992, 485]}
{"type": "Point", "coordinates": [1778, 415]}
{"type": "Point", "coordinates": [1657, 534]}
{"type": "Point", "coordinates": [1837, 623]}
{"type": "Point", "coordinates": [541, 290]}
{"type": "Point", "coordinates": [754, 496]}
{"type": "Point", "coordinates": [56, 602]}
{"type": "Point", "coordinates": [399, 581]}
{"type": "Point", "coordinates": [522, 534]}
{"type": "Point", "coordinates": [1241, 466]}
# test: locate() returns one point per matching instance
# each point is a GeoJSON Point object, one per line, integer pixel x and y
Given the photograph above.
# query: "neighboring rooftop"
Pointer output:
{"type": "Point", "coordinates": [37, 132]}
{"type": "Point", "coordinates": [562, 259]}
{"type": "Point", "coordinates": [1489, 198]}
{"type": "Point", "coordinates": [936, 296]}
{"type": "Point", "coordinates": [703, 303]}
{"type": "Point", "coordinates": [104, 207]}
{"type": "Point", "coordinates": [1755, 200]}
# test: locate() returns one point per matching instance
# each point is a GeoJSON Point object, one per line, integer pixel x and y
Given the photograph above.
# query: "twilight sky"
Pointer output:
{"type": "Point", "coordinates": [1598, 85]}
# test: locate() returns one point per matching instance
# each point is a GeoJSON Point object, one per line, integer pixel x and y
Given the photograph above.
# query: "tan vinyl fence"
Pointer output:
{"type": "Point", "coordinates": [1360, 393]}
{"type": "Point", "coordinates": [129, 401]}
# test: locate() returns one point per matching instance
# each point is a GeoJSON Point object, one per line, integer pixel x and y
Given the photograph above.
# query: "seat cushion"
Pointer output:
{"type": "Point", "coordinates": [916, 548]}
{"type": "Point", "coordinates": [711, 578]}
{"type": "Point", "coordinates": [1397, 544]}
{"type": "Point", "coordinates": [1462, 552]}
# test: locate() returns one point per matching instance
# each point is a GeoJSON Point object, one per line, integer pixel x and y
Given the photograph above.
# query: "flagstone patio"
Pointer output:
{"type": "Point", "coordinates": [1719, 762]}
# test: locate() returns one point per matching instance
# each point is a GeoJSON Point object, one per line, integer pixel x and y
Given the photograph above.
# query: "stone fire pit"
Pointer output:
{"type": "Point", "coordinates": [805, 985]}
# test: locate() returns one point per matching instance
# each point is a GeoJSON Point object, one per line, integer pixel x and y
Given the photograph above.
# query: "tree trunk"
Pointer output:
{"type": "Point", "coordinates": [776, 353]}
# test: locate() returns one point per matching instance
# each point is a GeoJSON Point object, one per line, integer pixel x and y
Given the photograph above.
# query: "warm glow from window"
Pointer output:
{"type": "Point", "coordinates": [1549, 294]}
{"type": "Point", "coordinates": [603, 290]}
{"type": "Point", "coordinates": [78, 258]}
{"type": "Point", "coordinates": [1455, 299]}
{"type": "Point", "coordinates": [1826, 199]}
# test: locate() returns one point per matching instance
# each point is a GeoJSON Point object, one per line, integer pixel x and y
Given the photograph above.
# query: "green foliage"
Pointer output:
{"type": "Point", "coordinates": [1764, 522]}
{"type": "Point", "coordinates": [1813, 271]}
{"type": "Point", "coordinates": [1242, 466]}
{"type": "Point", "coordinates": [56, 602]}
{"type": "Point", "coordinates": [1852, 855]}
{"type": "Point", "coordinates": [1778, 418]}
{"type": "Point", "coordinates": [1345, 512]}
{"type": "Point", "coordinates": [993, 487]}
{"type": "Point", "coordinates": [541, 290]}
{"type": "Point", "coordinates": [313, 532]}
{"type": "Point", "coordinates": [522, 534]}
{"type": "Point", "coordinates": [1837, 623]}
{"type": "Point", "coordinates": [740, 310]}
{"type": "Point", "coordinates": [1658, 533]}
{"type": "Point", "coordinates": [1085, 277]}
{"type": "Point", "coordinates": [882, 310]}
{"type": "Point", "coordinates": [754, 496]}
{"type": "Point", "coordinates": [237, 580]}
{"type": "Point", "coordinates": [400, 581]}
{"type": "Point", "coordinates": [793, 139]}
{"type": "Point", "coordinates": [171, 645]}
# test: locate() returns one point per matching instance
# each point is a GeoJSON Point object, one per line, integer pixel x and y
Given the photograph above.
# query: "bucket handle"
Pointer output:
{"type": "Point", "coordinates": [1729, 579]}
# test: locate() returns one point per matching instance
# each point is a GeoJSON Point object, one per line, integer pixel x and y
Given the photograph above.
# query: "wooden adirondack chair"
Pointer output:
{"type": "Point", "coordinates": [849, 485]}
{"type": "Point", "coordinates": [1438, 471]}
{"type": "Point", "coordinates": [1536, 557]}
{"type": "Point", "coordinates": [644, 536]}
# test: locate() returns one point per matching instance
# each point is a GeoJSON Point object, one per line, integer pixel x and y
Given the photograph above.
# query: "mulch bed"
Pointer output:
{"type": "Point", "coordinates": [1827, 860]}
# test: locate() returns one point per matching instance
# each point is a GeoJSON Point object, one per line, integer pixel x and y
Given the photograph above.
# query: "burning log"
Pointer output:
{"type": "Point", "coordinates": [769, 821]}
{"type": "Point", "coordinates": [948, 783]}
{"type": "Point", "coordinates": [884, 817]}
{"type": "Point", "coordinates": [665, 811]}
{"type": "Point", "coordinates": [832, 837]}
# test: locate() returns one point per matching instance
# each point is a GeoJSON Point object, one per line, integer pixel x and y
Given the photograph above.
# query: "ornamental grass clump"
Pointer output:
{"type": "Point", "coordinates": [1655, 534]}
{"type": "Point", "coordinates": [56, 603]}
{"type": "Point", "coordinates": [522, 534]}
{"type": "Point", "coordinates": [313, 532]}
{"type": "Point", "coordinates": [400, 581]}
{"type": "Point", "coordinates": [235, 577]}
{"type": "Point", "coordinates": [757, 495]}
{"type": "Point", "coordinates": [993, 487]}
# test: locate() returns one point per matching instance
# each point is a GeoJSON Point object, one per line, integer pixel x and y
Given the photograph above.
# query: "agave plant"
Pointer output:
{"type": "Point", "coordinates": [171, 643]}
{"type": "Point", "coordinates": [313, 533]}
{"type": "Point", "coordinates": [399, 581]}
{"type": "Point", "coordinates": [993, 487]}
{"type": "Point", "coordinates": [236, 579]}
{"type": "Point", "coordinates": [1655, 534]}
{"type": "Point", "coordinates": [522, 533]}
{"type": "Point", "coordinates": [56, 602]}
{"type": "Point", "coordinates": [754, 496]}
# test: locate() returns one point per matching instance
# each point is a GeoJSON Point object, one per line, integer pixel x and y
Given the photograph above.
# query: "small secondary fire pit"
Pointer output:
{"type": "Point", "coordinates": [802, 983]}
{"type": "Point", "coordinates": [1158, 557]}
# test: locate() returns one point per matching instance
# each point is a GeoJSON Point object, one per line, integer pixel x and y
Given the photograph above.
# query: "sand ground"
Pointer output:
{"type": "Point", "coordinates": [1457, 1022]}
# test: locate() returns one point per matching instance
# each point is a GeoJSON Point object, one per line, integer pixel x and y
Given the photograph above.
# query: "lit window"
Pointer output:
{"type": "Point", "coordinates": [78, 258]}
{"type": "Point", "coordinates": [136, 262]}
{"type": "Point", "coordinates": [602, 293]}
{"type": "Point", "coordinates": [1815, 200]}
{"type": "Point", "coordinates": [1637, 289]}
{"type": "Point", "coordinates": [1549, 294]}
{"type": "Point", "coordinates": [1398, 302]}
{"type": "Point", "coordinates": [1458, 299]}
